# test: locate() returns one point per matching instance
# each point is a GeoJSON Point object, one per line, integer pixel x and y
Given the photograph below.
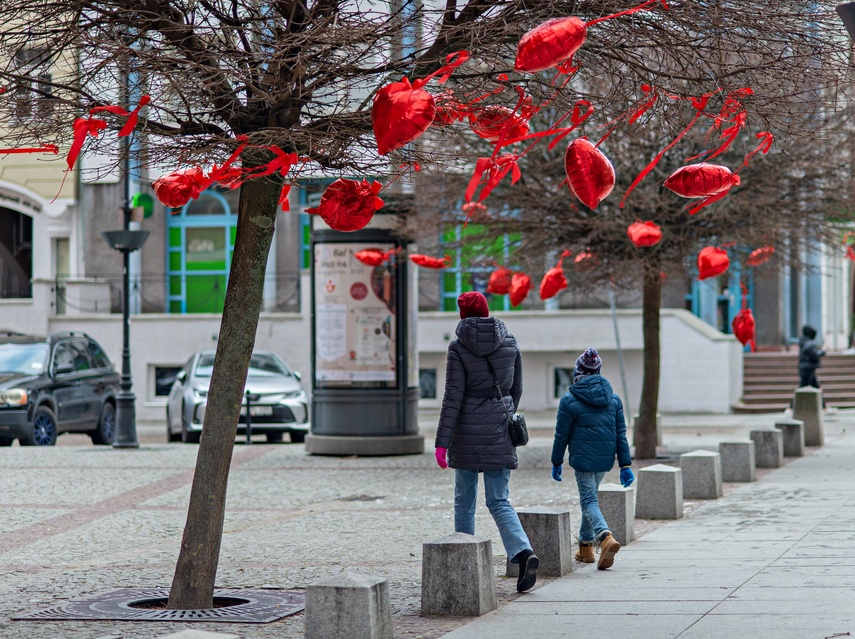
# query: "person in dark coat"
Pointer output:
{"type": "Point", "coordinates": [810, 353]}
{"type": "Point", "coordinates": [591, 424]}
{"type": "Point", "coordinates": [472, 436]}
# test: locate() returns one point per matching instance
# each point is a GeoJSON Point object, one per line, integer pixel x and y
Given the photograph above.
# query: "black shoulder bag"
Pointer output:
{"type": "Point", "coordinates": [516, 422]}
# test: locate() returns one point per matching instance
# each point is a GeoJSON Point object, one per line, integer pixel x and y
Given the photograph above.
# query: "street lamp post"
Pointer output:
{"type": "Point", "coordinates": [126, 241]}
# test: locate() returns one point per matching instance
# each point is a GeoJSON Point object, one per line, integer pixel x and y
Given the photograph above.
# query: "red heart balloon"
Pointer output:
{"type": "Point", "coordinates": [348, 205]}
{"type": "Point", "coordinates": [644, 233]}
{"type": "Point", "coordinates": [520, 286]}
{"type": "Point", "coordinates": [494, 122]}
{"type": "Point", "coordinates": [743, 327]}
{"type": "Point", "coordinates": [554, 280]}
{"type": "Point", "coordinates": [701, 180]}
{"type": "Point", "coordinates": [712, 261]}
{"type": "Point", "coordinates": [549, 44]}
{"type": "Point", "coordinates": [589, 173]}
{"type": "Point", "coordinates": [760, 256]}
{"type": "Point", "coordinates": [179, 187]}
{"type": "Point", "coordinates": [430, 262]}
{"type": "Point", "coordinates": [400, 114]}
{"type": "Point", "coordinates": [500, 281]}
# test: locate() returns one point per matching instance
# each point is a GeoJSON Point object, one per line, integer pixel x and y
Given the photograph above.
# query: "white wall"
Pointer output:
{"type": "Point", "coordinates": [701, 367]}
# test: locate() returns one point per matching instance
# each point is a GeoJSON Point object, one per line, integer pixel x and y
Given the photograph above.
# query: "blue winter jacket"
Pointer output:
{"type": "Point", "coordinates": [590, 421]}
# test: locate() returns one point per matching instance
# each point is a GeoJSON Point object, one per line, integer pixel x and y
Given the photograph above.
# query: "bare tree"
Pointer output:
{"type": "Point", "coordinates": [299, 74]}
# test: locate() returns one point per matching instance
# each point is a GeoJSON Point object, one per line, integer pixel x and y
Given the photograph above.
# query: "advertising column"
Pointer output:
{"type": "Point", "coordinates": [364, 378]}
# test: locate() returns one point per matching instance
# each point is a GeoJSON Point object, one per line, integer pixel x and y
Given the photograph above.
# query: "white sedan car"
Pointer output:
{"type": "Point", "coordinates": [277, 405]}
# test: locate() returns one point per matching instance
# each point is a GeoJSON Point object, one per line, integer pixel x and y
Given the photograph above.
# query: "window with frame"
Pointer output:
{"type": "Point", "coordinates": [32, 97]}
{"type": "Point", "coordinates": [476, 252]}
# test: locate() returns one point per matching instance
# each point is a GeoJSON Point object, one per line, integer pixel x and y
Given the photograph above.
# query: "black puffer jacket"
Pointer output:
{"type": "Point", "coordinates": [473, 423]}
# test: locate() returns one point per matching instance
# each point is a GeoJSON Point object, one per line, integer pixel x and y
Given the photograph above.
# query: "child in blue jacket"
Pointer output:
{"type": "Point", "coordinates": [591, 424]}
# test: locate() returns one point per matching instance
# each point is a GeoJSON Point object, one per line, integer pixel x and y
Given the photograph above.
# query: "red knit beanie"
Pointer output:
{"type": "Point", "coordinates": [473, 304]}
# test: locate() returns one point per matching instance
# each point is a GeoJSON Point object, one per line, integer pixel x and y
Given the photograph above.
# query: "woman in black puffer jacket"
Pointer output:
{"type": "Point", "coordinates": [473, 436]}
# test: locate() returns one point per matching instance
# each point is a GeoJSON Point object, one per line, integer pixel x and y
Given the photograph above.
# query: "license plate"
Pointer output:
{"type": "Point", "coordinates": [258, 411]}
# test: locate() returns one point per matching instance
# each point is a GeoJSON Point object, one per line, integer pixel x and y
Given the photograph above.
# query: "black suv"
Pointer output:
{"type": "Point", "coordinates": [56, 384]}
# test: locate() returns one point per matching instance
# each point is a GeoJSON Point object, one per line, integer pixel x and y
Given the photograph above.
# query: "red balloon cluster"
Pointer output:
{"type": "Point", "coordinates": [644, 234]}
{"type": "Point", "coordinates": [589, 173]}
{"type": "Point", "coordinates": [712, 261]}
{"type": "Point", "coordinates": [348, 205]}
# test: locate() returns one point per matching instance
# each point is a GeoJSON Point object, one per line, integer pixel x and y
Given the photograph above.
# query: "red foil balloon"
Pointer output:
{"type": "Point", "coordinates": [520, 286]}
{"type": "Point", "coordinates": [550, 44]}
{"type": "Point", "coordinates": [589, 173]}
{"type": "Point", "coordinates": [760, 256]}
{"type": "Point", "coordinates": [430, 262]}
{"type": "Point", "coordinates": [701, 180]}
{"type": "Point", "coordinates": [495, 122]}
{"type": "Point", "coordinates": [375, 257]}
{"type": "Point", "coordinates": [712, 261]}
{"type": "Point", "coordinates": [179, 187]}
{"type": "Point", "coordinates": [744, 328]}
{"type": "Point", "coordinates": [554, 280]}
{"type": "Point", "coordinates": [556, 40]}
{"type": "Point", "coordinates": [400, 114]}
{"type": "Point", "coordinates": [644, 234]}
{"type": "Point", "coordinates": [348, 205]}
{"type": "Point", "coordinates": [500, 281]}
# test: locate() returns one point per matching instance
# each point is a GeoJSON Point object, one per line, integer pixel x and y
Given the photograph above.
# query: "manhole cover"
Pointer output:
{"type": "Point", "coordinates": [144, 604]}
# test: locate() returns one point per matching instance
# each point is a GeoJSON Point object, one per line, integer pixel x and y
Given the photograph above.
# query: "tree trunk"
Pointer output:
{"type": "Point", "coordinates": [196, 570]}
{"type": "Point", "coordinates": [644, 432]}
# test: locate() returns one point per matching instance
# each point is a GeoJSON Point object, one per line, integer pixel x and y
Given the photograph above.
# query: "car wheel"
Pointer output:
{"type": "Point", "coordinates": [188, 436]}
{"type": "Point", "coordinates": [105, 432]}
{"type": "Point", "coordinates": [298, 436]}
{"type": "Point", "coordinates": [6, 441]}
{"type": "Point", "coordinates": [274, 438]}
{"type": "Point", "coordinates": [170, 436]}
{"type": "Point", "coordinates": [43, 431]}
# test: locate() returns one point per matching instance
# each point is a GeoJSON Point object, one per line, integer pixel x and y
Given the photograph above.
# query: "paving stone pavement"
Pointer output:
{"type": "Point", "coordinates": [77, 520]}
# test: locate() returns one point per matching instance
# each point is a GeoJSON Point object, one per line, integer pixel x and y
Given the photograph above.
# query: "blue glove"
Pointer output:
{"type": "Point", "coordinates": [626, 477]}
{"type": "Point", "coordinates": [556, 472]}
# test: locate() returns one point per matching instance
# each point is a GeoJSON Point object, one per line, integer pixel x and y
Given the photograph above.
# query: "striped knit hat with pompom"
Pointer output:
{"type": "Point", "coordinates": [589, 363]}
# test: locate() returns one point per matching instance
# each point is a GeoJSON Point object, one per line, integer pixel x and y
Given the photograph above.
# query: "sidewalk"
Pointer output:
{"type": "Point", "coordinates": [775, 558]}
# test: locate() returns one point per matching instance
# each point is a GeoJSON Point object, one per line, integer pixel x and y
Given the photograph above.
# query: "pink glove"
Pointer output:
{"type": "Point", "coordinates": [440, 457]}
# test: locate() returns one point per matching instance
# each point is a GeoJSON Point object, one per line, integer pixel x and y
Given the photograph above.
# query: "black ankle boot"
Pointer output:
{"type": "Point", "coordinates": [528, 563]}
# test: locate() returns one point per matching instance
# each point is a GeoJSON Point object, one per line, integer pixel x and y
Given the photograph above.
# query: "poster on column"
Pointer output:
{"type": "Point", "coordinates": [354, 318]}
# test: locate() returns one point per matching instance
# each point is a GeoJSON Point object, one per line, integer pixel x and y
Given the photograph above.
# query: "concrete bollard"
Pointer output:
{"type": "Point", "coordinates": [660, 492]}
{"type": "Point", "coordinates": [349, 605]}
{"type": "Point", "coordinates": [551, 538]}
{"type": "Point", "coordinates": [701, 474]}
{"type": "Point", "coordinates": [807, 406]}
{"type": "Point", "coordinates": [618, 507]}
{"type": "Point", "coordinates": [738, 460]}
{"type": "Point", "coordinates": [794, 436]}
{"type": "Point", "coordinates": [768, 447]}
{"type": "Point", "coordinates": [457, 576]}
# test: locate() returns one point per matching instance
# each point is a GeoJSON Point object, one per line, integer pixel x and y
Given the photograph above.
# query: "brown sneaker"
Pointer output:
{"type": "Point", "coordinates": [586, 552]}
{"type": "Point", "coordinates": [609, 547]}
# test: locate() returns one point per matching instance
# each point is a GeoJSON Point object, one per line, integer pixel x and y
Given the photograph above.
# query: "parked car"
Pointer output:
{"type": "Point", "coordinates": [63, 383]}
{"type": "Point", "coordinates": [278, 402]}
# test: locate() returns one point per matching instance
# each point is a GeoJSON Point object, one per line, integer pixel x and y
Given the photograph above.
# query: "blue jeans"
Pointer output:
{"type": "Point", "coordinates": [496, 490]}
{"type": "Point", "coordinates": [594, 525]}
